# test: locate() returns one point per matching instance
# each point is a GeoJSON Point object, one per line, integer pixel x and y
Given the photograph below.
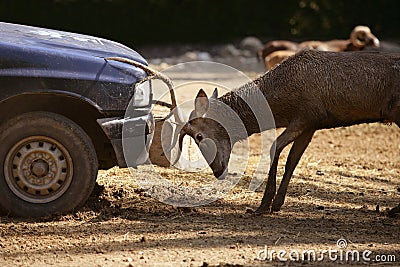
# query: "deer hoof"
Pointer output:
{"type": "Point", "coordinates": [394, 212]}
{"type": "Point", "coordinates": [262, 210]}
{"type": "Point", "coordinates": [276, 206]}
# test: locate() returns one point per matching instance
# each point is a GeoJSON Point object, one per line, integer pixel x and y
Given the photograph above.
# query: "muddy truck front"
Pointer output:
{"type": "Point", "coordinates": [63, 116]}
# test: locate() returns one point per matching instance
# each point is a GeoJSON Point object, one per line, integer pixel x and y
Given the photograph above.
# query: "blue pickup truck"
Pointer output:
{"type": "Point", "coordinates": [62, 107]}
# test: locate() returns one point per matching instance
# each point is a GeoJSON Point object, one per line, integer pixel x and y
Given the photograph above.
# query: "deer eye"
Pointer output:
{"type": "Point", "coordinates": [199, 137]}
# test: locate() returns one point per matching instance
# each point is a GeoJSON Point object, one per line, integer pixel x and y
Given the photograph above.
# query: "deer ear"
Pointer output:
{"type": "Point", "coordinates": [201, 103]}
{"type": "Point", "coordinates": [215, 94]}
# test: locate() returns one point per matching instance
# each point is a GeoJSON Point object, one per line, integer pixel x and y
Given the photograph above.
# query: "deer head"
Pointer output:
{"type": "Point", "coordinates": [210, 136]}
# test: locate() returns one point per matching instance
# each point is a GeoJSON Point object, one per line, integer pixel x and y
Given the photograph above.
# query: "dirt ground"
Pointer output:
{"type": "Point", "coordinates": [342, 188]}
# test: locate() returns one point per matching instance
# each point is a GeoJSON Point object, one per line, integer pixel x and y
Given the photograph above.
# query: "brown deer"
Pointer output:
{"type": "Point", "coordinates": [310, 91]}
{"type": "Point", "coordinates": [275, 52]}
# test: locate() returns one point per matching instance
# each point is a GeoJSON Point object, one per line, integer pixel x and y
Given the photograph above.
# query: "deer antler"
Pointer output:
{"type": "Point", "coordinates": [157, 75]}
{"type": "Point", "coordinates": [180, 131]}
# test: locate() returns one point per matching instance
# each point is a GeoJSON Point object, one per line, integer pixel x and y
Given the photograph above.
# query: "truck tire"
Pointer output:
{"type": "Point", "coordinates": [48, 165]}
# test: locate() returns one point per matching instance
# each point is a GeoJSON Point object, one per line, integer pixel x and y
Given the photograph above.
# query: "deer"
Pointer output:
{"type": "Point", "coordinates": [275, 52]}
{"type": "Point", "coordinates": [309, 91]}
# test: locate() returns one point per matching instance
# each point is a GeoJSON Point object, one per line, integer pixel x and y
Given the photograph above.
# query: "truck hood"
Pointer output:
{"type": "Point", "coordinates": [28, 36]}
{"type": "Point", "coordinates": [28, 51]}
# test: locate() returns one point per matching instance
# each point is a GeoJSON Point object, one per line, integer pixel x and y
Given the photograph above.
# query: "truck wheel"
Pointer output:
{"type": "Point", "coordinates": [48, 165]}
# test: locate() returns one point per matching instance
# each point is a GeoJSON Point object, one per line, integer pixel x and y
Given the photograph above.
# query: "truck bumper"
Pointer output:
{"type": "Point", "coordinates": [130, 137]}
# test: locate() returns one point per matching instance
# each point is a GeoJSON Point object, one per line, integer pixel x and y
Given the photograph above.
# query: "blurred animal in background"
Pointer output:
{"type": "Point", "coordinates": [360, 38]}
{"type": "Point", "coordinates": [274, 52]}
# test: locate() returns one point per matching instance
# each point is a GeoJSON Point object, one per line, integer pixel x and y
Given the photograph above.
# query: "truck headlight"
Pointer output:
{"type": "Point", "coordinates": [142, 94]}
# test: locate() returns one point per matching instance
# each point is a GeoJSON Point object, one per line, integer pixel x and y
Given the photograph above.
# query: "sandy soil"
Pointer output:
{"type": "Point", "coordinates": [342, 187]}
{"type": "Point", "coordinates": [346, 181]}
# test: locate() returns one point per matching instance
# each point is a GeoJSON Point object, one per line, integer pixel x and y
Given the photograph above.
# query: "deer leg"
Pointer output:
{"type": "Point", "coordinates": [288, 136]}
{"type": "Point", "coordinates": [297, 150]}
{"type": "Point", "coordinates": [270, 188]}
